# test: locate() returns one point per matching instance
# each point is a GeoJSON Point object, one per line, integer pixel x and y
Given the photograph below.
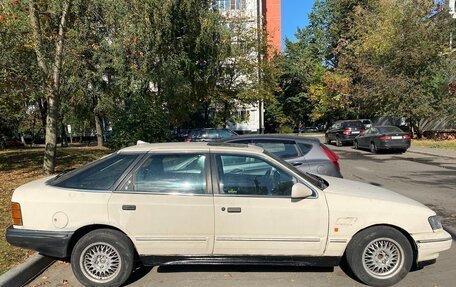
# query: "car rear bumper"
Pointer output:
{"type": "Point", "coordinates": [429, 245]}
{"type": "Point", "coordinates": [49, 243]}
{"type": "Point", "coordinates": [391, 144]}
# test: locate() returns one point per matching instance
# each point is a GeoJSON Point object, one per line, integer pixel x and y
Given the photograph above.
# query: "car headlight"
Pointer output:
{"type": "Point", "coordinates": [435, 223]}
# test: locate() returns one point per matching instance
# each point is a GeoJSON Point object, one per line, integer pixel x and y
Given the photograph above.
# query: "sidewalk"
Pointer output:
{"type": "Point", "coordinates": [433, 151]}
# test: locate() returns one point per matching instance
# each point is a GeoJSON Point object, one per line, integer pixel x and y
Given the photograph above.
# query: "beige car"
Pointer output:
{"type": "Point", "coordinates": [200, 203]}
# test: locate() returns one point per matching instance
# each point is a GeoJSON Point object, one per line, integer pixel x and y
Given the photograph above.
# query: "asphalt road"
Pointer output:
{"type": "Point", "coordinates": [430, 180]}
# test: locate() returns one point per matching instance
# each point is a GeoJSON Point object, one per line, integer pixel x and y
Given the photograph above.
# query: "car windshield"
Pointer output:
{"type": "Point", "coordinates": [313, 179]}
{"type": "Point", "coordinates": [385, 130]}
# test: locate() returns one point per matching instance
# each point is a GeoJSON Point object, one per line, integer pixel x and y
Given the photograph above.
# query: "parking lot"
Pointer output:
{"type": "Point", "coordinates": [428, 179]}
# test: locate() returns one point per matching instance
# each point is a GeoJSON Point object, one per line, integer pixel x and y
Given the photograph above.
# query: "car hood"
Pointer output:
{"type": "Point", "coordinates": [366, 191]}
{"type": "Point", "coordinates": [370, 205]}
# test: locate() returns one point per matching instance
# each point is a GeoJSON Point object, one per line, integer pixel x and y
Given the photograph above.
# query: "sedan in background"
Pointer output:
{"type": "Point", "coordinates": [383, 138]}
{"type": "Point", "coordinates": [305, 153]}
{"type": "Point", "coordinates": [344, 131]}
{"type": "Point", "coordinates": [209, 135]}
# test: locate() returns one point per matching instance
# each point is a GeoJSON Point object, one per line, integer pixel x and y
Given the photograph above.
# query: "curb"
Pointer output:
{"type": "Point", "coordinates": [26, 272]}
{"type": "Point", "coordinates": [432, 154]}
{"type": "Point", "coordinates": [451, 231]}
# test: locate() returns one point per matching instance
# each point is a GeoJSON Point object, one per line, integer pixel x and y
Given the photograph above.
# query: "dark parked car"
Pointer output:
{"type": "Point", "coordinates": [306, 154]}
{"type": "Point", "coordinates": [209, 135]}
{"type": "Point", "coordinates": [383, 138]}
{"type": "Point", "coordinates": [344, 132]}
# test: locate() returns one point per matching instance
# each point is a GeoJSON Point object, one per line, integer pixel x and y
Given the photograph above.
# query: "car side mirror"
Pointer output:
{"type": "Point", "coordinates": [300, 191]}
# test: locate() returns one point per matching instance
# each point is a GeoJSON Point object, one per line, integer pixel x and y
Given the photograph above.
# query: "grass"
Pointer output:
{"type": "Point", "coordinates": [445, 144]}
{"type": "Point", "coordinates": [20, 166]}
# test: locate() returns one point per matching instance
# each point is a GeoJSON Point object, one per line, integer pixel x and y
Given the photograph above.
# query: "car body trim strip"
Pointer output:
{"type": "Point", "coordinates": [173, 239]}
{"type": "Point", "coordinates": [272, 239]}
{"type": "Point", "coordinates": [433, 240]}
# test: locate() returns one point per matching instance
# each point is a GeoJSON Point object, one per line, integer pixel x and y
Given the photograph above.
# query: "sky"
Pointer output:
{"type": "Point", "coordinates": [294, 15]}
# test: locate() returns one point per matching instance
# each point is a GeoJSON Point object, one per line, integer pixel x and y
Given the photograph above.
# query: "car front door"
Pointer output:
{"type": "Point", "coordinates": [166, 206]}
{"type": "Point", "coordinates": [254, 212]}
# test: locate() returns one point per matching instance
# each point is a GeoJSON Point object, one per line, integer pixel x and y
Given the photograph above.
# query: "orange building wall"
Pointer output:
{"type": "Point", "coordinates": [272, 17]}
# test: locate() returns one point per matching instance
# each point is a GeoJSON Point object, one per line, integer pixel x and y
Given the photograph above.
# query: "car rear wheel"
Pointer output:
{"type": "Point", "coordinates": [338, 142]}
{"type": "Point", "coordinates": [327, 140]}
{"type": "Point", "coordinates": [103, 257]}
{"type": "Point", "coordinates": [373, 148]}
{"type": "Point", "coordinates": [380, 256]}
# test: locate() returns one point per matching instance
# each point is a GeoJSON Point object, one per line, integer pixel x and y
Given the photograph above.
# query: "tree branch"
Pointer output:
{"type": "Point", "coordinates": [38, 44]}
{"type": "Point", "coordinates": [59, 46]}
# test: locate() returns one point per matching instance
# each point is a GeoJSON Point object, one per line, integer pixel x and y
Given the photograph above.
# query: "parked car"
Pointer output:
{"type": "Point", "coordinates": [213, 203]}
{"type": "Point", "coordinates": [208, 135]}
{"type": "Point", "coordinates": [343, 132]}
{"type": "Point", "coordinates": [305, 153]}
{"type": "Point", "coordinates": [383, 138]}
{"type": "Point", "coordinates": [367, 123]}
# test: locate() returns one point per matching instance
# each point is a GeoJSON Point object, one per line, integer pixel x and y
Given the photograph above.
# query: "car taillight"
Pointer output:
{"type": "Point", "coordinates": [406, 137]}
{"type": "Point", "coordinates": [384, 138]}
{"type": "Point", "coordinates": [347, 132]}
{"type": "Point", "coordinates": [332, 156]}
{"type": "Point", "coordinates": [188, 140]}
{"type": "Point", "coordinates": [16, 213]}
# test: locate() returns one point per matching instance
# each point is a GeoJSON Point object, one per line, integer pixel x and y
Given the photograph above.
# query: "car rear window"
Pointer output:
{"type": "Point", "coordinates": [282, 149]}
{"type": "Point", "coordinates": [353, 124]}
{"type": "Point", "coordinates": [384, 130]}
{"type": "Point", "coordinates": [99, 175]}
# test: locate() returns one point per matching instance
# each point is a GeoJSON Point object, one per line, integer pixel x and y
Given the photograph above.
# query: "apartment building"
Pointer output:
{"type": "Point", "coordinates": [264, 14]}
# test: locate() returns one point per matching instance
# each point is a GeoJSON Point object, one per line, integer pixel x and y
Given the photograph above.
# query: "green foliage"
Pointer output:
{"type": "Point", "coordinates": [139, 119]}
{"type": "Point", "coordinates": [285, 130]}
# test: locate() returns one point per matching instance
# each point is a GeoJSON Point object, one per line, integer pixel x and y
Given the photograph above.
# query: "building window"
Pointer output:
{"type": "Point", "coordinates": [224, 5]}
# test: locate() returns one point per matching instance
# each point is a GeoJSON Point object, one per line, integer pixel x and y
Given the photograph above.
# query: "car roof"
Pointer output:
{"type": "Point", "coordinates": [191, 146]}
{"type": "Point", "coordinates": [272, 136]}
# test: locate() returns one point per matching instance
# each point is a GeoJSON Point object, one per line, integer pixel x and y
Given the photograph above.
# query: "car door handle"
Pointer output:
{"type": "Point", "coordinates": [234, 209]}
{"type": "Point", "coordinates": [296, 163]}
{"type": "Point", "coordinates": [128, 207]}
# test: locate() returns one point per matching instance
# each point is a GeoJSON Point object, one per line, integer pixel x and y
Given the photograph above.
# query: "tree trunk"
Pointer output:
{"type": "Point", "coordinates": [51, 134]}
{"type": "Point", "coordinates": [63, 134]}
{"type": "Point", "coordinates": [52, 73]}
{"type": "Point", "coordinates": [99, 130]}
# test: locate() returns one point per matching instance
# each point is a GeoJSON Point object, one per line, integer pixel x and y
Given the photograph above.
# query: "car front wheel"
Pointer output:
{"type": "Point", "coordinates": [373, 148]}
{"type": "Point", "coordinates": [380, 256]}
{"type": "Point", "coordinates": [327, 140]}
{"type": "Point", "coordinates": [103, 257]}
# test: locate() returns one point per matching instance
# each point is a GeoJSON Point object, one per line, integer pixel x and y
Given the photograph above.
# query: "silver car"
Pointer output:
{"type": "Point", "coordinates": [305, 153]}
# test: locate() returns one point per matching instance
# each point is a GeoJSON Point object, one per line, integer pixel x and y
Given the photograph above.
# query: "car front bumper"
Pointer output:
{"type": "Point", "coordinates": [49, 243]}
{"type": "Point", "coordinates": [429, 245]}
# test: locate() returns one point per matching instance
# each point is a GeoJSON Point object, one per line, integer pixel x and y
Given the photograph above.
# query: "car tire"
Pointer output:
{"type": "Point", "coordinates": [327, 140]}
{"type": "Point", "coordinates": [103, 257]}
{"type": "Point", "coordinates": [338, 142]}
{"type": "Point", "coordinates": [373, 148]}
{"type": "Point", "coordinates": [355, 145]}
{"type": "Point", "coordinates": [380, 256]}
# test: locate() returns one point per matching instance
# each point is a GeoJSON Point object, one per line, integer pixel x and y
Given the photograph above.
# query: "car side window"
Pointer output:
{"type": "Point", "coordinates": [170, 173]}
{"type": "Point", "coordinates": [212, 134]}
{"type": "Point", "coordinates": [100, 176]}
{"type": "Point", "coordinates": [240, 141]}
{"type": "Point", "coordinates": [225, 133]}
{"type": "Point", "coordinates": [280, 148]}
{"type": "Point", "coordinates": [251, 176]}
{"type": "Point", "coordinates": [305, 148]}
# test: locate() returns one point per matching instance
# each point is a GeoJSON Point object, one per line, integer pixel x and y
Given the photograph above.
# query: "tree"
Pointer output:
{"type": "Point", "coordinates": [45, 33]}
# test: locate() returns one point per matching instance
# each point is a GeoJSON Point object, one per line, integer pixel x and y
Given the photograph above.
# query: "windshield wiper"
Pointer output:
{"type": "Point", "coordinates": [323, 183]}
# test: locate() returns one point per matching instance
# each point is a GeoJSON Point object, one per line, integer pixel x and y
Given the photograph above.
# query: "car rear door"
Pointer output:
{"type": "Point", "coordinates": [254, 212]}
{"type": "Point", "coordinates": [165, 204]}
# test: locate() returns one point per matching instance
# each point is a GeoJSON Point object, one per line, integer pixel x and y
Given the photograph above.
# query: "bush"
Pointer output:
{"type": "Point", "coordinates": [285, 130]}
{"type": "Point", "coordinates": [138, 119]}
